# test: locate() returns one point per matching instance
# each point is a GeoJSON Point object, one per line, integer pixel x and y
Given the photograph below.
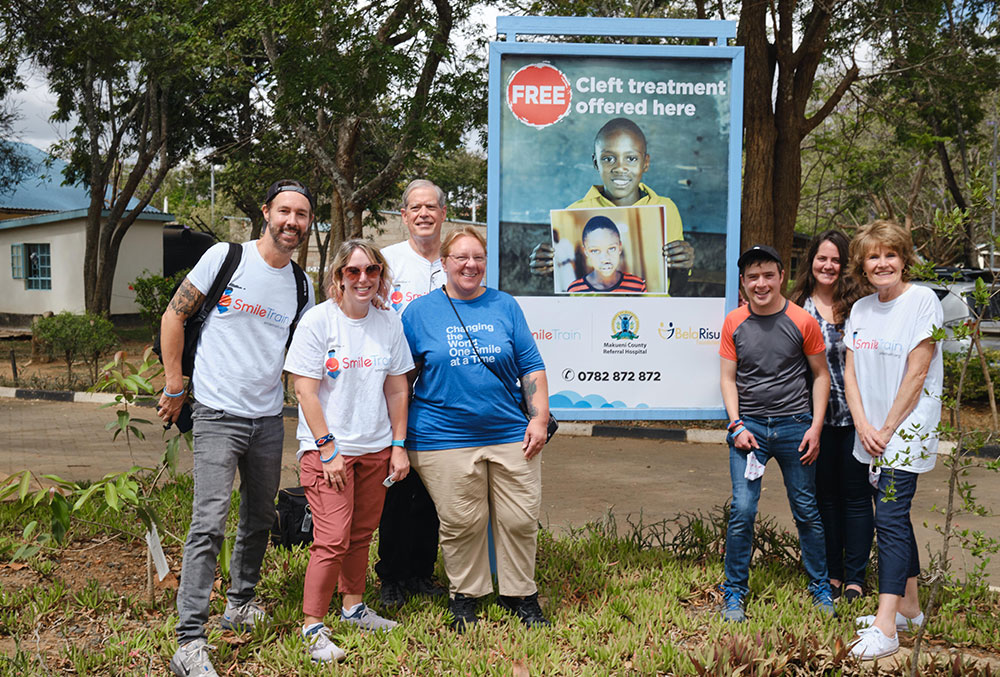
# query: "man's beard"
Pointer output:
{"type": "Point", "coordinates": [274, 232]}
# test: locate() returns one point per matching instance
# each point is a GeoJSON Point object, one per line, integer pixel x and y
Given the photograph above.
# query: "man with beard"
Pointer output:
{"type": "Point", "coordinates": [238, 398]}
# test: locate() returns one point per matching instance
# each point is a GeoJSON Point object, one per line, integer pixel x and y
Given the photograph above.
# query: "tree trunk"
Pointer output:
{"type": "Point", "coordinates": [773, 132]}
{"type": "Point", "coordinates": [758, 125]}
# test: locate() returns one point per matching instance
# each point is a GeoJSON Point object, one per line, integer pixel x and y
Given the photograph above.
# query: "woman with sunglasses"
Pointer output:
{"type": "Point", "coordinates": [473, 447]}
{"type": "Point", "coordinates": [349, 359]}
{"type": "Point", "coordinates": [843, 494]}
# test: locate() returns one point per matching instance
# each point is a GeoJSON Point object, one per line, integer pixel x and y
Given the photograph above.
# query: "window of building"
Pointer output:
{"type": "Point", "coordinates": [17, 261]}
{"type": "Point", "coordinates": [33, 264]}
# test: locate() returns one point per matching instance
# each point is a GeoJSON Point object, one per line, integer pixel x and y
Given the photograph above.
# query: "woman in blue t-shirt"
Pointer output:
{"type": "Point", "coordinates": [469, 441]}
{"type": "Point", "coordinates": [843, 494]}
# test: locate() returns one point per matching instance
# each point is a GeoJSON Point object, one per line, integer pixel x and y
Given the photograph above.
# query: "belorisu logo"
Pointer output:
{"type": "Point", "coordinates": [539, 95]}
{"type": "Point", "coordinates": [668, 332]}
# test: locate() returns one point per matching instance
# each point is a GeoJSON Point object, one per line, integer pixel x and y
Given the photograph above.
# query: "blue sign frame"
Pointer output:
{"type": "Point", "coordinates": [719, 31]}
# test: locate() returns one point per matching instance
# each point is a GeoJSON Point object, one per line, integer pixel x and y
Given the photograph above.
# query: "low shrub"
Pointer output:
{"type": "Point", "coordinates": [153, 293]}
{"type": "Point", "coordinates": [974, 387]}
{"type": "Point", "coordinates": [85, 335]}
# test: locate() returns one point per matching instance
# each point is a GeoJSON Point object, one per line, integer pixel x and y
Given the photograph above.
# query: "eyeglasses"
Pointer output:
{"type": "Point", "coordinates": [462, 259]}
{"type": "Point", "coordinates": [352, 273]}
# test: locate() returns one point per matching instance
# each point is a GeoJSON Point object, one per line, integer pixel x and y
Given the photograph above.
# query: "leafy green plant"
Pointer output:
{"type": "Point", "coordinates": [974, 387]}
{"type": "Point", "coordinates": [152, 295]}
{"type": "Point", "coordinates": [70, 334]}
{"type": "Point", "coordinates": [122, 492]}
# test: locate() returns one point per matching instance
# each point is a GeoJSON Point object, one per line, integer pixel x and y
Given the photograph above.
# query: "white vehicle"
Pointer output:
{"type": "Point", "coordinates": [954, 288]}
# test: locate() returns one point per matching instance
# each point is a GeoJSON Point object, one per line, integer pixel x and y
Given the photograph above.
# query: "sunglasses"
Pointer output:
{"type": "Point", "coordinates": [352, 273]}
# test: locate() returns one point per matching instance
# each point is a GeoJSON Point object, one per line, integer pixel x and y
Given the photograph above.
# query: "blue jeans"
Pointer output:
{"type": "Point", "coordinates": [898, 555]}
{"type": "Point", "coordinates": [224, 444]}
{"type": "Point", "coordinates": [779, 438]}
{"type": "Point", "coordinates": [844, 496]}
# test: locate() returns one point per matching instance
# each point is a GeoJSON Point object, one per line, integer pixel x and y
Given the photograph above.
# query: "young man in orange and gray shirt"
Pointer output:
{"type": "Point", "coordinates": [769, 349]}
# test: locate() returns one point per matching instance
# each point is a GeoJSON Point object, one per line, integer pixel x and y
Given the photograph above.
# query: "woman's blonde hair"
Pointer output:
{"type": "Point", "coordinates": [340, 259]}
{"type": "Point", "coordinates": [881, 234]}
{"type": "Point", "coordinates": [449, 240]}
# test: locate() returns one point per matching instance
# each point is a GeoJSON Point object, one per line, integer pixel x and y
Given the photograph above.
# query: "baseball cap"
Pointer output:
{"type": "Point", "coordinates": [292, 185]}
{"type": "Point", "coordinates": [758, 252]}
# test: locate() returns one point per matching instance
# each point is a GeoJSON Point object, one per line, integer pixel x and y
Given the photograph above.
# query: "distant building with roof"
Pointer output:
{"type": "Point", "coordinates": [43, 236]}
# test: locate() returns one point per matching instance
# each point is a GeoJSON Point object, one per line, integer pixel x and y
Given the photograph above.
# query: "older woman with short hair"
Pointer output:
{"type": "Point", "coordinates": [893, 377]}
{"type": "Point", "coordinates": [474, 448]}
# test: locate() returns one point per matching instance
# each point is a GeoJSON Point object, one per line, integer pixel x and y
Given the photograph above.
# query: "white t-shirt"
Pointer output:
{"type": "Point", "coordinates": [881, 336]}
{"type": "Point", "coordinates": [351, 359]}
{"type": "Point", "coordinates": [412, 274]}
{"type": "Point", "coordinates": [237, 367]}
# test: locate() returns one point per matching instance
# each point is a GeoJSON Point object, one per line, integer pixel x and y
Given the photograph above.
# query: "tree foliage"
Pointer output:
{"type": "Point", "coordinates": [938, 65]}
{"type": "Point", "coordinates": [13, 164]}
{"type": "Point", "coordinates": [138, 81]}
{"type": "Point", "coordinates": [362, 86]}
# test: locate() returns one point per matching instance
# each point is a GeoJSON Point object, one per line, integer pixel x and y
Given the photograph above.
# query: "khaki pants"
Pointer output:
{"type": "Point", "coordinates": [471, 485]}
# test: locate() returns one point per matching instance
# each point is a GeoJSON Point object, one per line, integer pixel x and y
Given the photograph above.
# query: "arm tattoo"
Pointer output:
{"type": "Point", "coordinates": [187, 300]}
{"type": "Point", "coordinates": [528, 389]}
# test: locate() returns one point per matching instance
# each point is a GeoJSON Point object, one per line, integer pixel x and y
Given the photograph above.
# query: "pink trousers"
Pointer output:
{"type": "Point", "coordinates": [343, 524]}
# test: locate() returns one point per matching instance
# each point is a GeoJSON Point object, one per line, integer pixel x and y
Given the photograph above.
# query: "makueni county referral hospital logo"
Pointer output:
{"type": "Point", "coordinates": [625, 326]}
{"type": "Point", "coordinates": [625, 335]}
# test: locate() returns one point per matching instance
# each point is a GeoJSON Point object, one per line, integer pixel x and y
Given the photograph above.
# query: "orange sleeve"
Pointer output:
{"type": "Point", "coordinates": [727, 348]}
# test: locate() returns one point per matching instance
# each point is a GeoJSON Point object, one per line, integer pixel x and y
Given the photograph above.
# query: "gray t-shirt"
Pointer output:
{"type": "Point", "coordinates": [772, 373]}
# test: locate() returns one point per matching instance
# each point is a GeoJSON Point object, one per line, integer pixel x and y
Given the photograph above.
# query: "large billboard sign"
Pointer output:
{"type": "Point", "coordinates": [614, 174]}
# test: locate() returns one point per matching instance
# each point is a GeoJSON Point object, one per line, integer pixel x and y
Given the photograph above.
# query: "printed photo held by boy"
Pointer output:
{"type": "Point", "coordinates": [602, 244]}
{"type": "Point", "coordinates": [620, 156]}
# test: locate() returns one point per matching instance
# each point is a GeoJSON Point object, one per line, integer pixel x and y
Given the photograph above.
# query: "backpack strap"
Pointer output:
{"type": "Point", "coordinates": [302, 293]}
{"type": "Point", "coordinates": [222, 279]}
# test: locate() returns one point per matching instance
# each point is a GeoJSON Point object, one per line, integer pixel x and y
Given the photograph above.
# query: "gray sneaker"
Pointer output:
{"type": "Point", "coordinates": [368, 620]}
{"type": "Point", "coordinates": [734, 606]}
{"type": "Point", "coordinates": [191, 660]}
{"type": "Point", "coordinates": [320, 647]}
{"type": "Point", "coordinates": [243, 617]}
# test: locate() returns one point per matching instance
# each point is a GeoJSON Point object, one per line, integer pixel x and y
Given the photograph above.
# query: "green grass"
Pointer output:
{"type": "Point", "coordinates": [633, 599]}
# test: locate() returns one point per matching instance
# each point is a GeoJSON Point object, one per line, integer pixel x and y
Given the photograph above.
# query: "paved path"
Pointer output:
{"type": "Point", "coordinates": [583, 477]}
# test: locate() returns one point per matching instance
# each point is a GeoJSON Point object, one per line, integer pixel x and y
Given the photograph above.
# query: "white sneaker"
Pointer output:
{"type": "Point", "coordinates": [191, 660]}
{"type": "Point", "coordinates": [903, 624]}
{"type": "Point", "coordinates": [872, 644]}
{"type": "Point", "coordinates": [242, 617]}
{"type": "Point", "coordinates": [368, 619]}
{"type": "Point", "coordinates": [319, 645]}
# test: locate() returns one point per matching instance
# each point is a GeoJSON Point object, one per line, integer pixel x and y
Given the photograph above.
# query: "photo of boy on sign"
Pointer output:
{"type": "Point", "coordinates": [621, 158]}
{"type": "Point", "coordinates": [619, 249]}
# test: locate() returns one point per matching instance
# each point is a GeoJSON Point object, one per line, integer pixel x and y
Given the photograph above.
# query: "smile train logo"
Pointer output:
{"type": "Point", "coordinates": [625, 326]}
{"type": "Point", "coordinates": [332, 364]}
{"type": "Point", "coordinates": [225, 300]}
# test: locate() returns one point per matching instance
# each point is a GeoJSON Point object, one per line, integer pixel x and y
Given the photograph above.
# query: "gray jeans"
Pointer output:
{"type": "Point", "coordinates": [224, 444]}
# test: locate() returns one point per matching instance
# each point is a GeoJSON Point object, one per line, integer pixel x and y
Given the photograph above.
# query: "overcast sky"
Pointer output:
{"type": "Point", "coordinates": [34, 106]}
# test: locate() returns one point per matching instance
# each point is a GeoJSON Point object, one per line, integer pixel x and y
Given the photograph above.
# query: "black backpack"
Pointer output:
{"type": "Point", "coordinates": [293, 522]}
{"type": "Point", "coordinates": [193, 325]}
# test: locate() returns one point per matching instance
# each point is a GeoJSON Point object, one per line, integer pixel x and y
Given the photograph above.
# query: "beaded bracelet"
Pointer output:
{"type": "Point", "coordinates": [320, 441]}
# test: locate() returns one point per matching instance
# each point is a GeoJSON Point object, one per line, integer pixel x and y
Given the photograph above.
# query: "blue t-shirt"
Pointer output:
{"type": "Point", "coordinates": [457, 402]}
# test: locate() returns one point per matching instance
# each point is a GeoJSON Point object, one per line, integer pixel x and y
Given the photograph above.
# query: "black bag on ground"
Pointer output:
{"type": "Point", "coordinates": [293, 522]}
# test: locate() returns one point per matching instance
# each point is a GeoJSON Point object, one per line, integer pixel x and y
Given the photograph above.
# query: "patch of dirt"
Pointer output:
{"type": "Point", "coordinates": [113, 564]}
